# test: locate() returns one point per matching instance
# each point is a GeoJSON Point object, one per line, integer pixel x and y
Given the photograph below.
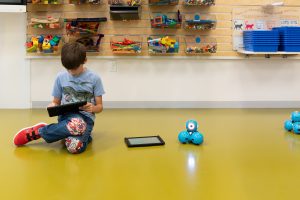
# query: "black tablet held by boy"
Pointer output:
{"type": "Point", "coordinates": [66, 108]}
{"type": "Point", "coordinates": [144, 141]}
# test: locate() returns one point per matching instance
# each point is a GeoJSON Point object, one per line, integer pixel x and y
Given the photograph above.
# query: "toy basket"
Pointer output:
{"type": "Point", "coordinates": [126, 44]}
{"type": "Point", "coordinates": [199, 2]}
{"type": "Point", "coordinates": [196, 45]}
{"type": "Point", "coordinates": [162, 44]}
{"type": "Point", "coordinates": [78, 2]}
{"type": "Point", "coordinates": [83, 26]}
{"type": "Point", "coordinates": [125, 2]}
{"type": "Point", "coordinates": [119, 12]}
{"type": "Point", "coordinates": [91, 42]}
{"type": "Point", "coordinates": [163, 2]}
{"type": "Point", "coordinates": [43, 44]}
{"type": "Point", "coordinates": [199, 22]}
{"type": "Point", "coordinates": [42, 21]}
{"type": "Point", "coordinates": [46, 1]}
{"type": "Point", "coordinates": [166, 20]}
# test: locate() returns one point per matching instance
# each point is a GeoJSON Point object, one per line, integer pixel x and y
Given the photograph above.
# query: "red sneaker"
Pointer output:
{"type": "Point", "coordinates": [28, 134]}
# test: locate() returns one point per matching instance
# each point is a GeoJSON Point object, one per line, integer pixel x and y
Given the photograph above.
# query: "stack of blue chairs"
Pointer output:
{"type": "Point", "coordinates": [289, 38]}
{"type": "Point", "coordinates": [261, 41]}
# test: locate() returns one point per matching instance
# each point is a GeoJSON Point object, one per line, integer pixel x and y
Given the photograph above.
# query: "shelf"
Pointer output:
{"type": "Point", "coordinates": [267, 54]}
{"type": "Point", "coordinates": [124, 12]}
{"type": "Point", "coordinates": [13, 8]}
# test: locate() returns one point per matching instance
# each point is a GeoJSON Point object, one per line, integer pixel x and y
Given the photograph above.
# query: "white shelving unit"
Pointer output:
{"type": "Point", "coordinates": [267, 54]}
{"type": "Point", "coordinates": [12, 8]}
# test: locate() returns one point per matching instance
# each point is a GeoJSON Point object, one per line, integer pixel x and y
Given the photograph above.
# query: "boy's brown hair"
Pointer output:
{"type": "Point", "coordinates": [73, 54]}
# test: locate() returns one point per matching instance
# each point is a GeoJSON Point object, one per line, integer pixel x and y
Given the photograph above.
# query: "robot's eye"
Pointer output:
{"type": "Point", "coordinates": [191, 126]}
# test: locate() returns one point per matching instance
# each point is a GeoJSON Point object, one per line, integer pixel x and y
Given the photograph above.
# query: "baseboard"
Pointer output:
{"type": "Point", "coordinates": [190, 104]}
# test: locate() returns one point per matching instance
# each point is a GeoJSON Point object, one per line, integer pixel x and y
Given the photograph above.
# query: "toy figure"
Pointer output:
{"type": "Point", "coordinates": [46, 45]}
{"type": "Point", "coordinates": [191, 134]}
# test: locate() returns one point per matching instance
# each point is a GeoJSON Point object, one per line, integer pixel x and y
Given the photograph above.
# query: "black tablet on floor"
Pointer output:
{"type": "Point", "coordinates": [144, 141]}
{"type": "Point", "coordinates": [66, 108]}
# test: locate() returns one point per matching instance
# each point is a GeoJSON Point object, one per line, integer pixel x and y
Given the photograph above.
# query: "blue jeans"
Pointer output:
{"type": "Point", "coordinates": [75, 128]}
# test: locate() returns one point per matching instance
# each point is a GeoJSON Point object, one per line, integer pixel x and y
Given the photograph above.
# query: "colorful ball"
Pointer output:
{"type": "Point", "coordinates": [288, 125]}
{"type": "Point", "coordinates": [191, 126]}
{"type": "Point", "coordinates": [197, 138]}
{"type": "Point", "coordinates": [73, 145]}
{"type": "Point", "coordinates": [184, 137]}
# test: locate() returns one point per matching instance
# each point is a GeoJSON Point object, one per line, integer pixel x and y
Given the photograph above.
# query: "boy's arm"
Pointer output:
{"type": "Point", "coordinates": [55, 102]}
{"type": "Point", "coordinates": [89, 107]}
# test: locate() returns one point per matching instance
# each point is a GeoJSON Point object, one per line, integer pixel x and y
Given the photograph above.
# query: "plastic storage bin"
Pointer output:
{"type": "Point", "coordinates": [166, 20]}
{"type": "Point", "coordinates": [162, 44]}
{"type": "Point", "coordinates": [289, 38]}
{"type": "Point", "coordinates": [200, 45]}
{"type": "Point", "coordinates": [45, 21]}
{"type": "Point", "coordinates": [83, 26]}
{"type": "Point", "coordinates": [126, 44]}
{"type": "Point", "coordinates": [78, 2]}
{"type": "Point", "coordinates": [199, 2]}
{"type": "Point", "coordinates": [261, 41]}
{"type": "Point", "coordinates": [46, 1]}
{"type": "Point", "coordinates": [45, 44]}
{"type": "Point", "coordinates": [125, 2]}
{"type": "Point", "coordinates": [199, 22]}
{"type": "Point", "coordinates": [124, 12]}
{"type": "Point", "coordinates": [91, 43]}
{"type": "Point", "coordinates": [163, 2]}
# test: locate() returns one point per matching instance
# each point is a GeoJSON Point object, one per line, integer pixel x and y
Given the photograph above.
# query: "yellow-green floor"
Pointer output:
{"type": "Point", "coordinates": [246, 155]}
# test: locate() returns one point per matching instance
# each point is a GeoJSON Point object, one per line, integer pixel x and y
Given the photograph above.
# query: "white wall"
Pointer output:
{"type": "Point", "coordinates": [14, 69]}
{"type": "Point", "coordinates": [185, 83]}
{"type": "Point", "coordinates": [149, 82]}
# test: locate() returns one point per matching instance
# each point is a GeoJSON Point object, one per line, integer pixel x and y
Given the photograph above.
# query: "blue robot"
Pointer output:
{"type": "Point", "coordinates": [293, 124]}
{"type": "Point", "coordinates": [288, 125]}
{"type": "Point", "coordinates": [191, 134]}
{"type": "Point", "coordinates": [295, 116]}
{"type": "Point", "coordinates": [296, 128]}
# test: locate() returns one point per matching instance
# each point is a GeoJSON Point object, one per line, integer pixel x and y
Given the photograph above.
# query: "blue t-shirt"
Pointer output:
{"type": "Point", "coordinates": [84, 87]}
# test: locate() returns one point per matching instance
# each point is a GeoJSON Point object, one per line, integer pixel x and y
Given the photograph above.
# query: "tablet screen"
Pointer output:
{"type": "Point", "coordinates": [144, 141]}
{"type": "Point", "coordinates": [148, 140]}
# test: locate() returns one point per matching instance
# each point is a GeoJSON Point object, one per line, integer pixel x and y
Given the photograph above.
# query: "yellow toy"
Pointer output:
{"type": "Point", "coordinates": [35, 41]}
{"type": "Point", "coordinates": [168, 41]}
{"type": "Point", "coordinates": [31, 49]}
{"type": "Point", "coordinates": [32, 45]}
{"type": "Point", "coordinates": [46, 44]}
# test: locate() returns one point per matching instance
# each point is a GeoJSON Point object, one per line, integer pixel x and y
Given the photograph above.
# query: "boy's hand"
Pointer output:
{"type": "Point", "coordinates": [88, 107]}
{"type": "Point", "coordinates": [52, 104]}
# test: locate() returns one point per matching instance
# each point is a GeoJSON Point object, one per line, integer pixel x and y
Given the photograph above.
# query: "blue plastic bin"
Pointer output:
{"type": "Point", "coordinates": [290, 48]}
{"type": "Point", "coordinates": [261, 48]}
